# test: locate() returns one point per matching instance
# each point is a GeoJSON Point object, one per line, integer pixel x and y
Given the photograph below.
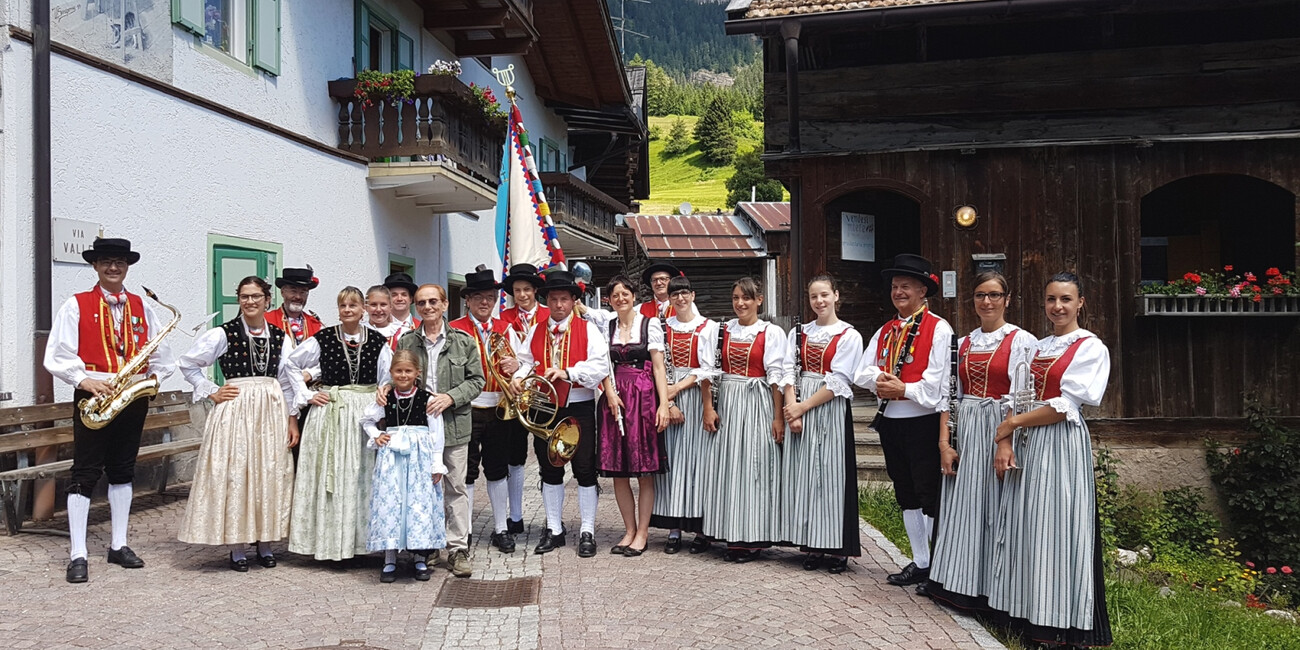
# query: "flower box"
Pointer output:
{"type": "Point", "coordinates": [1190, 304]}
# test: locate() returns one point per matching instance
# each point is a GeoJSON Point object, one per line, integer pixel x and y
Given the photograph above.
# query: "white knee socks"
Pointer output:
{"type": "Point", "coordinates": [918, 534]}
{"type": "Point", "coordinates": [587, 508]}
{"type": "Point", "coordinates": [78, 512]}
{"type": "Point", "coordinates": [119, 503]}
{"type": "Point", "coordinates": [498, 496]}
{"type": "Point", "coordinates": [516, 480]}
{"type": "Point", "coordinates": [553, 499]}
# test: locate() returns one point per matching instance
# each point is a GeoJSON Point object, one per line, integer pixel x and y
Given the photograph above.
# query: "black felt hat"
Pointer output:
{"type": "Point", "coordinates": [913, 266]}
{"type": "Point", "coordinates": [482, 279]}
{"type": "Point", "coordinates": [558, 280]}
{"type": "Point", "coordinates": [305, 278]}
{"type": "Point", "coordinates": [110, 247]}
{"type": "Point", "coordinates": [401, 280]}
{"type": "Point", "coordinates": [671, 270]}
{"type": "Point", "coordinates": [525, 272]}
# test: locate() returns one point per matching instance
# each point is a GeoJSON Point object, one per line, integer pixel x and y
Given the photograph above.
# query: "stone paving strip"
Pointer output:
{"type": "Point", "coordinates": [185, 597]}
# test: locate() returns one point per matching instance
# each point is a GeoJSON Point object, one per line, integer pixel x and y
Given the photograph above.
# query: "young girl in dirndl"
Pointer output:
{"type": "Point", "coordinates": [633, 414]}
{"type": "Point", "coordinates": [332, 491]}
{"type": "Point", "coordinates": [1047, 573]}
{"type": "Point", "coordinates": [962, 566]}
{"type": "Point", "coordinates": [743, 483]}
{"type": "Point", "coordinates": [819, 469]}
{"type": "Point", "coordinates": [406, 510]}
{"type": "Point", "coordinates": [692, 343]}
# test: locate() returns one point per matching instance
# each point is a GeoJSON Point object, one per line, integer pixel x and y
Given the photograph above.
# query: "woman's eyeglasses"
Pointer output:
{"type": "Point", "coordinates": [992, 295]}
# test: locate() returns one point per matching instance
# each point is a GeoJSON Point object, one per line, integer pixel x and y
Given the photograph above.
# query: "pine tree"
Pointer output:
{"type": "Point", "coordinates": [749, 174]}
{"type": "Point", "coordinates": [679, 140]}
{"type": "Point", "coordinates": [657, 87]}
{"type": "Point", "coordinates": [716, 132]}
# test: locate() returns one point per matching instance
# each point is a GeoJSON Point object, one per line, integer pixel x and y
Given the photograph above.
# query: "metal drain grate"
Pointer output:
{"type": "Point", "coordinates": [469, 594]}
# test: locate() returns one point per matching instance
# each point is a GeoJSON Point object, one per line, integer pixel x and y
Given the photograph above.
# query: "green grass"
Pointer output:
{"type": "Point", "coordinates": [688, 176]}
{"type": "Point", "coordinates": [1140, 618]}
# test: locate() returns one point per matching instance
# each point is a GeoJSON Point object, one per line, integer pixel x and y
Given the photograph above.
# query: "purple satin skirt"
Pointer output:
{"type": "Point", "coordinates": [639, 448]}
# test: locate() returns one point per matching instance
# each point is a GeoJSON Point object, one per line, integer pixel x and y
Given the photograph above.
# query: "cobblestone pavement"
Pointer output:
{"type": "Point", "coordinates": [186, 597]}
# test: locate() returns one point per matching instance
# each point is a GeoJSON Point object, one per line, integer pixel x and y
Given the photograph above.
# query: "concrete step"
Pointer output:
{"type": "Point", "coordinates": [871, 469]}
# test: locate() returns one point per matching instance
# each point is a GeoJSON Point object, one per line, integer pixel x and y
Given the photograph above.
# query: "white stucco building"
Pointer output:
{"type": "Point", "coordinates": [205, 132]}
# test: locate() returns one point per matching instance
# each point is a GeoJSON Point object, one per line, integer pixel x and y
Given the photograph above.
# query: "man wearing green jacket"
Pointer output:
{"type": "Point", "coordinates": [453, 375]}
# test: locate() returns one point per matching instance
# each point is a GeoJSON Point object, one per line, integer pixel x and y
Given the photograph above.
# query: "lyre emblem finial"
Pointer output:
{"type": "Point", "coordinates": [506, 77]}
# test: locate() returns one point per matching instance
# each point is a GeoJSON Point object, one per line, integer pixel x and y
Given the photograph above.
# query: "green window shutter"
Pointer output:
{"type": "Point", "coordinates": [405, 53]}
{"type": "Point", "coordinates": [362, 55]}
{"type": "Point", "coordinates": [188, 14]}
{"type": "Point", "coordinates": [266, 35]}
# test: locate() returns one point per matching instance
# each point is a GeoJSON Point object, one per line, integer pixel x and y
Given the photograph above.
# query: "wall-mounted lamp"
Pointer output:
{"type": "Point", "coordinates": [965, 216]}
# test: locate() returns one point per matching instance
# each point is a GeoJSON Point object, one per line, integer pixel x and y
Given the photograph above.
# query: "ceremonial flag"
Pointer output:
{"type": "Point", "coordinates": [525, 232]}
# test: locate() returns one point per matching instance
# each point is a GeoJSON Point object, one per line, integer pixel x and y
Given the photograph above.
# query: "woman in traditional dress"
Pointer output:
{"type": "Point", "coordinates": [406, 510]}
{"type": "Point", "coordinates": [692, 342]}
{"type": "Point", "coordinates": [243, 481]}
{"type": "Point", "coordinates": [743, 484]}
{"type": "Point", "coordinates": [819, 469]}
{"type": "Point", "coordinates": [987, 360]}
{"type": "Point", "coordinates": [1047, 573]}
{"type": "Point", "coordinates": [633, 414]}
{"type": "Point", "coordinates": [332, 493]}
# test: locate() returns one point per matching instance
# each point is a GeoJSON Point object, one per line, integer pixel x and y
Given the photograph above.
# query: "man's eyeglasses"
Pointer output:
{"type": "Point", "coordinates": [428, 303]}
{"type": "Point", "coordinates": [114, 263]}
{"type": "Point", "coordinates": [992, 295]}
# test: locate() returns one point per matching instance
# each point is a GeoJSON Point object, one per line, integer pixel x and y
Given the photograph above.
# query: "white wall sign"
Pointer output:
{"type": "Point", "coordinates": [949, 284]}
{"type": "Point", "coordinates": [857, 237]}
{"type": "Point", "coordinates": [70, 237]}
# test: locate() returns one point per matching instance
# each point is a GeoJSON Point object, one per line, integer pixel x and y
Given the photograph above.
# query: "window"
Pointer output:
{"type": "Point", "coordinates": [380, 46]}
{"type": "Point", "coordinates": [247, 30]}
{"type": "Point", "coordinates": [552, 157]}
{"type": "Point", "coordinates": [1203, 223]}
{"type": "Point", "coordinates": [232, 259]}
{"type": "Point", "coordinates": [455, 297]}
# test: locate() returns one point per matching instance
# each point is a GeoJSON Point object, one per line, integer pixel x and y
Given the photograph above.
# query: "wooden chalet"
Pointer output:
{"type": "Point", "coordinates": [1126, 141]}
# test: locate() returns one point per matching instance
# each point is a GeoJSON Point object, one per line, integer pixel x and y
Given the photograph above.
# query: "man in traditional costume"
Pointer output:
{"type": "Point", "coordinates": [572, 354]}
{"type": "Point", "coordinates": [906, 365]}
{"type": "Point", "coordinates": [656, 276]}
{"type": "Point", "coordinates": [94, 334]}
{"type": "Point", "coordinates": [522, 284]}
{"type": "Point", "coordinates": [401, 291]}
{"type": "Point", "coordinates": [292, 315]}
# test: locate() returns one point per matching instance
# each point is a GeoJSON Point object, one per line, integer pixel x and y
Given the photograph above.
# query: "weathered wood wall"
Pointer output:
{"type": "Point", "coordinates": [1072, 208]}
{"type": "Point", "coordinates": [1150, 92]}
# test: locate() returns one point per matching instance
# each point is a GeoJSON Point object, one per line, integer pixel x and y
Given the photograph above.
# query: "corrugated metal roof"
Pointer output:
{"type": "Point", "coordinates": [771, 216]}
{"type": "Point", "coordinates": [698, 236]}
{"type": "Point", "coordinates": [776, 8]}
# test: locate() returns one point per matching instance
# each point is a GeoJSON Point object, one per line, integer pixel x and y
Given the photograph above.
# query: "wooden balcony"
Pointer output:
{"type": "Point", "coordinates": [482, 27]}
{"type": "Point", "coordinates": [584, 216]}
{"type": "Point", "coordinates": [440, 150]}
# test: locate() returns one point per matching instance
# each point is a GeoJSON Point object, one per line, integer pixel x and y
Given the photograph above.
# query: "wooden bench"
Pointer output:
{"type": "Point", "coordinates": [53, 426]}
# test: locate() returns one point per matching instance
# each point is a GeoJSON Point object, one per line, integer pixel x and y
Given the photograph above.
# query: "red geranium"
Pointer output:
{"type": "Point", "coordinates": [1228, 268]}
{"type": "Point", "coordinates": [1286, 570]}
{"type": "Point", "coordinates": [1258, 298]}
{"type": "Point", "coordinates": [1192, 277]}
{"type": "Point", "coordinates": [1270, 570]}
{"type": "Point", "coordinates": [1250, 277]}
{"type": "Point", "coordinates": [1272, 271]}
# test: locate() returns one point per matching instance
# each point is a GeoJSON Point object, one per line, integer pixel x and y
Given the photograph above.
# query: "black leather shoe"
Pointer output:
{"type": "Point", "coordinates": [77, 571]}
{"type": "Point", "coordinates": [700, 545]}
{"type": "Point", "coordinates": [633, 552]}
{"type": "Point", "coordinates": [674, 544]}
{"type": "Point", "coordinates": [811, 562]}
{"type": "Point", "coordinates": [617, 549]}
{"type": "Point", "coordinates": [923, 589]}
{"type": "Point", "coordinates": [240, 565]}
{"type": "Point", "coordinates": [504, 542]}
{"type": "Point", "coordinates": [267, 561]}
{"type": "Point", "coordinates": [744, 556]}
{"type": "Point", "coordinates": [550, 541]}
{"type": "Point", "coordinates": [910, 575]}
{"type": "Point", "coordinates": [587, 545]}
{"type": "Point", "coordinates": [424, 574]}
{"type": "Point", "coordinates": [731, 554]}
{"type": "Point", "coordinates": [388, 575]}
{"type": "Point", "coordinates": [838, 565]}
{"type": "Point", "coordinates": [125, 557]}
{"type": "Point", "coordinates": [515, 526]}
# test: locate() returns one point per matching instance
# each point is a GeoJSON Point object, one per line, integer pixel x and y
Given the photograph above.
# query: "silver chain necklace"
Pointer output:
{"type": "Point", "coordinates": [404, 419]}
{"type": "Point", "coordinates": [353, 358]}
{"type": "Point", "coordinates": [261, 354]}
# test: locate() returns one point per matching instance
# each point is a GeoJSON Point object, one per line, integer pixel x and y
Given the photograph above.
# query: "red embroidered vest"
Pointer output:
{"type": "Point", "coordinates": [310, 325]}
{"type": "Point", "coordinates": [513, 318]}
{"type": "Point", "coordinates": [651, 310]}
{"type": "Point", "coordinates": [912, 371]}
{"type": "Point", "coordinates": [986, 374]}
{"type": "Point", "coordinates": [469, 326]}
{"type": "Point", "coordinates": [1048, 371]}
{"type": "Point", "coordinates": [103, 345]}
{"type": "Point", "coordinates": [817, 358]}
{"type": "Point", "coordinates": [572, 348]}
{"type": "Point", "coordinates": [681, 345]}
{"type": "Point", "coordinates": [744, 359]}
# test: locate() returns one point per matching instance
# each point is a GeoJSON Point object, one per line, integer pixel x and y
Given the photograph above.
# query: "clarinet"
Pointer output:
{"type": "Point", "coordinates": [722, 329]}
{"type": "Point", "coordinates": [669, 370]}
{"type": "Point", "coordinates": [898, 365]}
{"type": "Point", "coordinates": [952, 396]}
{"type": "Point", "coordinates": [798, 361]}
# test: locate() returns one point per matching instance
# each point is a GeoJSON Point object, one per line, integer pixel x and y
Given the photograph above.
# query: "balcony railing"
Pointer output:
{"type": "Point", "coordinates": [443, 123]}
{"type": "Point", "coordinates": [580, 205]}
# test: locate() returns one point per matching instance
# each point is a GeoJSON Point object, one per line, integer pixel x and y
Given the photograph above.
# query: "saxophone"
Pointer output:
{"type": "Point", "coordinates": [97, 411]}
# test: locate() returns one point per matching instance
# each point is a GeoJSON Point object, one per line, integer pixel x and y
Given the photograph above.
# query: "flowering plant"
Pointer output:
{"type": "Point", "coordinates": [392, 87]}
{"type": "Point", "coordinates": [445, 68]}
{"type": "Point", "coordinates": [1226, 284]}
{"type": "Point", "coordinates": [487, 100]}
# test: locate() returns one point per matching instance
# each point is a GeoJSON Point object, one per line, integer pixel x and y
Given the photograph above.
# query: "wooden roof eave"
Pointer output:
{"type": "Point", "coordinates": [879, 17]}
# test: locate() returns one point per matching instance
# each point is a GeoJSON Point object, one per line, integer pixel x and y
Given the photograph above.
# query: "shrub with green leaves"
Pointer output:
{"type": "Point", "coordinates": [1260, 484]}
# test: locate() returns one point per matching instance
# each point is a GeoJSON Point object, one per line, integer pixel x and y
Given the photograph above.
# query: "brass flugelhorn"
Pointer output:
{"type": "Point", "coordinates": [535, 406]}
